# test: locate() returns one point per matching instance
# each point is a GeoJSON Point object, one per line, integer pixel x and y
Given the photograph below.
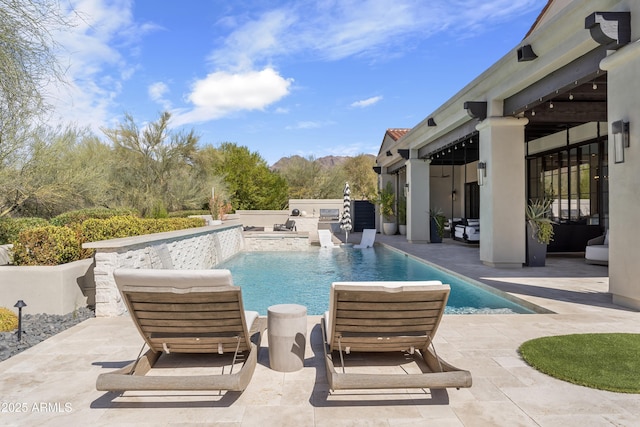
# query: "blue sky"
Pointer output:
{"type": "Point", "coordinates": [311, 78]}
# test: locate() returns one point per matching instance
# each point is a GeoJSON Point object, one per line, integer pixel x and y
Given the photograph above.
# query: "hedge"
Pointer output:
{"type": "Point", "coordinates": [10, 228]}
{"type": "Point", "coordinates": [50, 245]}
{"type": "Point", "coordinates": [77, 217]}
{"type": "Point", "coordinates": [54, 245]}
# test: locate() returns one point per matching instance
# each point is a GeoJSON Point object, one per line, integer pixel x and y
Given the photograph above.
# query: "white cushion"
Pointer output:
{"type": "Point", "coordinates": [597, 252]}
{"type": "Point", "coordinates": [176, 279]}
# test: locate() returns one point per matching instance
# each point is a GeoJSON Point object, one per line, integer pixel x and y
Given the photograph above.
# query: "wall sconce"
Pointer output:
{"type": "Point", "coordinates": [389, 154]}
{"type": "Point", "coordinates": [406, 189]}
{"type": "Point", "coordinates": [482, 172]}
{"type": "Point", "coordinates": [453, 195]}
{"type": "Point", "coordinates": [620, 131]}
{"type": "Point", "coordinates": [431, 122]}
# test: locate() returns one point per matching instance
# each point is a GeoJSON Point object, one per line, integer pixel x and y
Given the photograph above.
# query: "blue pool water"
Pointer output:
{"type": "Point", "coordinates": [269, 278]}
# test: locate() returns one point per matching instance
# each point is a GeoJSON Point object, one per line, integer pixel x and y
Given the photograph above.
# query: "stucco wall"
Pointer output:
{"type": "Point", "coordinates": [58, 289]}
{"type": "Point", "coordinates": [623, 67]}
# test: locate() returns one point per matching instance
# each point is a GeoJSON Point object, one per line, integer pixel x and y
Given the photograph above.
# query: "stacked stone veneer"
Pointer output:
{"type": "Point", "coordinates": [276, 241]}
{"type": "Point", "coordinates": [200, 248]}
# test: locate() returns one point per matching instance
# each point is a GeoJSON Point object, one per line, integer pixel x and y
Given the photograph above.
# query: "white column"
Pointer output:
{"type": "Point", "coordinates": [502, 196]}
{"type": "Point", "coordinates": [418, 201]}
{"type": "Point", "coordinates": [623, 103]}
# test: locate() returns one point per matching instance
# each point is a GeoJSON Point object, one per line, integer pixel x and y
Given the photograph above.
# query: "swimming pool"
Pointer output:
{"type": "Point", "coordinates": [269, 278]}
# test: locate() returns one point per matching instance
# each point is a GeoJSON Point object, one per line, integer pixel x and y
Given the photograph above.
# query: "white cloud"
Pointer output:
{"type": "Point", "coordinates": [222, 93]}
{"type": "Point", "coordinates": [332, 30]}
{"type": "Point", "coordinates": [305, 125]}
{"type": "Point", "coordinates": [94, 53]}
{"type": "Point", "coordinates": [367, 102]}
{"type": "Point", "coordinates": [157, 92]}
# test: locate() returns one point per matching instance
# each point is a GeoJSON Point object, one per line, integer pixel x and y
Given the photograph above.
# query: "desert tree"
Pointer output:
{"type": "Point", "coordinates": [154, 166]}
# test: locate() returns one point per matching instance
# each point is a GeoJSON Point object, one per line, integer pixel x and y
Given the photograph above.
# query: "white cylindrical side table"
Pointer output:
{"type": "Point", "coordinates": [287, 332]}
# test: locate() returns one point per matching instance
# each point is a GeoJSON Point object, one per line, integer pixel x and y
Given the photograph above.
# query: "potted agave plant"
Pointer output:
{"type": "Point", "coordinates": [539, 231]}
{"type": "Point", "coordinates": [437, 222]}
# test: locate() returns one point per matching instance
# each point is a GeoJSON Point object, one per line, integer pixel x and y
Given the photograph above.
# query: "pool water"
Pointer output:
{"type": "Point", "coordinates": [269, 278]}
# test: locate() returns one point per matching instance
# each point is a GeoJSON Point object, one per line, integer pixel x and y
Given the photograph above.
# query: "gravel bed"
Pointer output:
{"type": "Point", "coordinates": [37, 328]}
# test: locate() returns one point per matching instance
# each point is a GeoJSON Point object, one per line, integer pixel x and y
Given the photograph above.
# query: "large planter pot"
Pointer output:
{"type": "Point", "coordinates": [435, 237]}
{"type": "Point", "coordinates": [389, 228]}
{"type": "Point", "coordinates": [536, 251]}
{"type": "Point", "coordinates": [402, 228]}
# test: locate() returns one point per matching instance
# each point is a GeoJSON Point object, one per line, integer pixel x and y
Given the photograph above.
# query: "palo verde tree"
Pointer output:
{"type": "Point", "coordinates": [27, 64]}
{"type": "Point", "coordinates": [154, 168]}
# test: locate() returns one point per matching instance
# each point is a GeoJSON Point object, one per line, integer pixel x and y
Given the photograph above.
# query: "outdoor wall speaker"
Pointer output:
{"type": "Point", "coordinates": [526, 53]}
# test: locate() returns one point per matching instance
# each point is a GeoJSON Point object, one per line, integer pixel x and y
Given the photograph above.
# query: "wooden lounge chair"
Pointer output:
{"type": "Point", "coordinates": [373, 317]}
{"type": "Point", "coordinates": [186, 311]}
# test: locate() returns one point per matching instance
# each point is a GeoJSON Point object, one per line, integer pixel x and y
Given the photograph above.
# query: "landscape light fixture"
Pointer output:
{"type": "Point", "coordinates": [19, 305]}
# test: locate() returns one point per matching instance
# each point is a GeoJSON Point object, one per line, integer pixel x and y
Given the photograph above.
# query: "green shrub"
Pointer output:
{"type": "Point", "coordinates": [53, 245]}
{"type": "Point", "coordinates": [93, 230]}
{"type": "Point", "coordinates": [8, 320]}
{"type": "Point", "coordinates": [50, 245]}
{"type": "Point", "coordinates": [77, 217]}
{"type": "Point", "coordinates": [10, 228]}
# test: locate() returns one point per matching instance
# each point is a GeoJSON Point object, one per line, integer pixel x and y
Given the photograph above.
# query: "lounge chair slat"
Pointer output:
{"type": "Point", "coordinates": [204, 315]}
{"type": "Point", "coordinates": [385, 296]}
{"type": "Point", "coordinates": [213, 324]}
{"type": "Point", "coordinates": [197, 297]}
{"type": "Point", "coordinates": [386, 314]}
{"type": "Point", "coordinates": [391, 305]}
{"type": "Point", "coordinates": [184, 307]}
{"type": "Point", "coordinates": [401, 329]}
{"type": "Point", "coordinates": [189, 329]}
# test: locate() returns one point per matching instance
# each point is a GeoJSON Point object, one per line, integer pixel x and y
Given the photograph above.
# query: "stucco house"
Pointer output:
{"type": "Point", "coordinates": [556, 117]}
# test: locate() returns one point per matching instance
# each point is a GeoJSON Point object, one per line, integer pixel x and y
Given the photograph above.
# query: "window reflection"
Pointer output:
{"type": "Point", "coordinates": [576, 179]}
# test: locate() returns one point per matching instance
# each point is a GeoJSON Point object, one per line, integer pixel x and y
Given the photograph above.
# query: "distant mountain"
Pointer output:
{"type": "Point", "coordinates": [327, 161]}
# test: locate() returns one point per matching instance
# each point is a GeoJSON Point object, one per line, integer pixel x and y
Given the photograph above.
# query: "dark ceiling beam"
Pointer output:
{"type": "Point", "coordinates": [568, 112]}
{"type": "Point", "coordinates": [581, 70]}
{"type": "Point", "coordinates": [458, 134]}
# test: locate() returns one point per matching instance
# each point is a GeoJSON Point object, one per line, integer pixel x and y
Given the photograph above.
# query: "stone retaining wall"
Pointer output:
{"type": "Point", "coordinates": [276, 241]}
{"type": "Point", "coordinates": [198, 248]}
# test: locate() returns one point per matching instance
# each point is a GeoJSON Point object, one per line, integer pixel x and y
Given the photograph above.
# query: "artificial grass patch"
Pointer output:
{"type": "Point", "coordinates": [602, 361]}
